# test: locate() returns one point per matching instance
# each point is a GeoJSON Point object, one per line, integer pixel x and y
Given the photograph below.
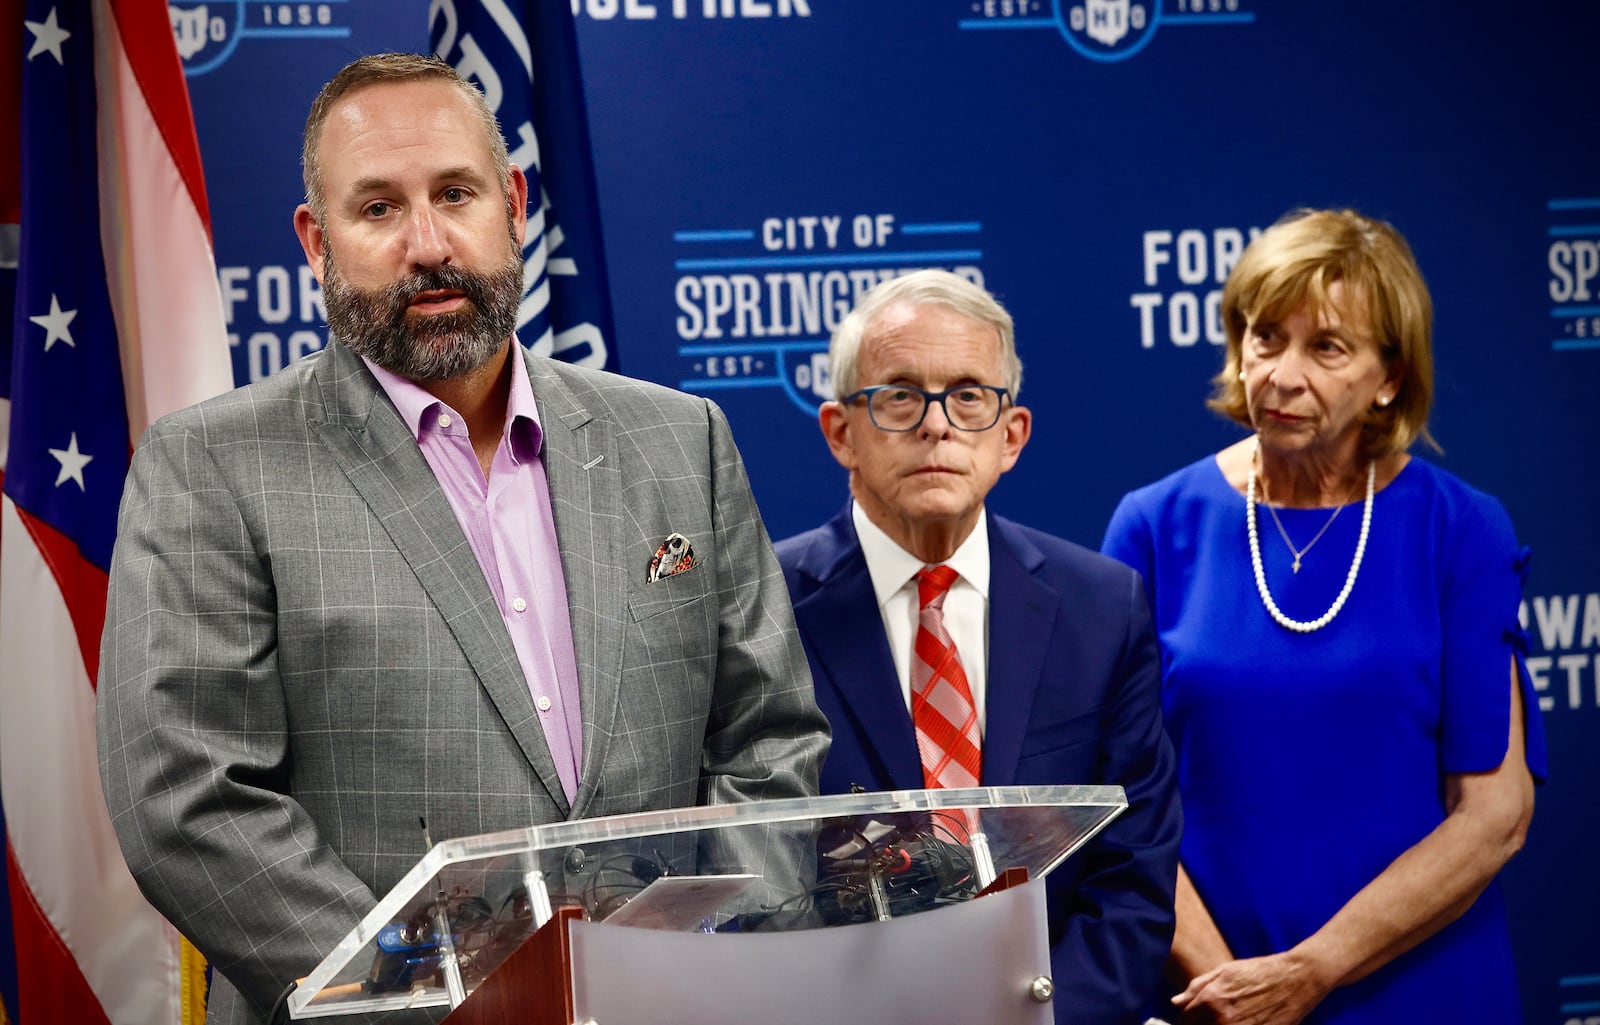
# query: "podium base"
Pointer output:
{"type": "Point", "coordinates": [534, 985]}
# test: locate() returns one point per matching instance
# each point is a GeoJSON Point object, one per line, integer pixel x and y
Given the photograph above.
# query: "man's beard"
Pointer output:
{"type": "Point", "coordinates": [375, 323]}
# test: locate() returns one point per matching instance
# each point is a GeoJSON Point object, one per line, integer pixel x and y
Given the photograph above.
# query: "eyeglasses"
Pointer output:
{"type": "Point", "coordinates": [899, 407]}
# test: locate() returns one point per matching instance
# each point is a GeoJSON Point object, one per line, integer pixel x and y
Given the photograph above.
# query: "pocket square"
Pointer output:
{"type": "Point", "coordinates": [676, 555]}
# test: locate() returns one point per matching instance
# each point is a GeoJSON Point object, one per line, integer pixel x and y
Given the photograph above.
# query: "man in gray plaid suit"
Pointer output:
{"type": "Point", "coordinates": [421, 574]}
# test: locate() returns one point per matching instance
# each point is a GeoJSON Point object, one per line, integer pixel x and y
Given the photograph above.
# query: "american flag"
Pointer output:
{"type": "Point", "coordinates": [524, 55]}
{"type": "Point", "coordinates": [107, 275]}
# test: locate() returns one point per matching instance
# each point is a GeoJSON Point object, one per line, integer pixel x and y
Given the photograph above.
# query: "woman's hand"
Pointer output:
{"type": "Point", "coordinates": [1279, 989]}
{"type": "Point", "coordinates": [1427, 887]}
{"type": "Point", "coordinates": [1197, 943]}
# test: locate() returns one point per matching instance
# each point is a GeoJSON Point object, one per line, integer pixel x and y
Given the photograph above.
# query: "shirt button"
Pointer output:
{"type": "Point", "coordinates": [519, 604]}
{"type": "Point", "coordinates": [543, 703]}
{"type": "Point", "coordinates": [444, 419]}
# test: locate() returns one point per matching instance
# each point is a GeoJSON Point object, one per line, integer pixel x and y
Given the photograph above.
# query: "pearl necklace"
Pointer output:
{"type": "Point", "coordinates": [1261, 576]}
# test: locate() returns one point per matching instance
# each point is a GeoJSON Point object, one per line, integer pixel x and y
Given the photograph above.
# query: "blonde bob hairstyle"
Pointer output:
{"type": "Point", "coordinates": [1295, 262]}
{"type": "Point", "coordinates": [922, 288]}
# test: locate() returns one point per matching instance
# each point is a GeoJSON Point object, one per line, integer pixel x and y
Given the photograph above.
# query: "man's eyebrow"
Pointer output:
{"type": "Point", "coordinates": [465, 174]}
{"type": "Point", "coordinates": [370, 183]}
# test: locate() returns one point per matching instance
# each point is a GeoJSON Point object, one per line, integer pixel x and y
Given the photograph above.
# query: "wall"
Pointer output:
{"type": "Point", "coordinates": [760, 161]}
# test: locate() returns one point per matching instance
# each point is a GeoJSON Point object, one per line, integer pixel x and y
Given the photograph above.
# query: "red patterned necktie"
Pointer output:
{"type": "Point", "coordinates": [942, 709]}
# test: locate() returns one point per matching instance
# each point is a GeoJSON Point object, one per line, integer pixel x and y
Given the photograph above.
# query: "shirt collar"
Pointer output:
{"type": "Point", "coordinates": [892, 567]}
{"type": "Point", "coordinates": [523, 434]}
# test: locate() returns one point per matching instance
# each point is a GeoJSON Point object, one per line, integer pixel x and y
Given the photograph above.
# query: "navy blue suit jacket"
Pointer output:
{"type": "Point", "coordinates": [1074, 681]}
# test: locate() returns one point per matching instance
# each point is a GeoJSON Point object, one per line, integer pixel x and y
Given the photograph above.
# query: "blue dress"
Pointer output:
{"type": "Point", "coordinates": [1308, 762]}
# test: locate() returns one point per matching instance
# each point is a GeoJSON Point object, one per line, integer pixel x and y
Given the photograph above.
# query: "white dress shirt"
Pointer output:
{"type": "Point", "coordinates": [966, 608]}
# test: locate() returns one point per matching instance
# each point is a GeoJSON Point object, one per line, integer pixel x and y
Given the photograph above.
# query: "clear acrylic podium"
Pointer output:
{"type": "Point", "coordinates": [913, 906]}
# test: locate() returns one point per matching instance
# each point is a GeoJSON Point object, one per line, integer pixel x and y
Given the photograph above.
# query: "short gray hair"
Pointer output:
{"type": "Point", "coordinates": [922, 288]}
{"type": "Point", "coordinates": [389, 67]}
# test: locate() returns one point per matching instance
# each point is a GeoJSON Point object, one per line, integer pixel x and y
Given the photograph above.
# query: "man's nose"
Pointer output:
{"type": "Point", "coordinates": [427, 240]}
{"type": "Point", "coordinates": [935, 424]}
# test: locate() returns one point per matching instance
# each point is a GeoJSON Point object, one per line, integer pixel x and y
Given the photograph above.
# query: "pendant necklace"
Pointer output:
{"type": "Point", "coordinates": [1255, 550]}
{"type": "Point", "coordinates": [1298, 553]}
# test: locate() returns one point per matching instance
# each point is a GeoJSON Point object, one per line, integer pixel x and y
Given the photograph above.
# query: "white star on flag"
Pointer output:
{"type": "Point", "coordinates": [72, 463]}
{"type": "Point", "coordinates": [55, 324]}
{"type": "Point", "coordinates": [47, 36]}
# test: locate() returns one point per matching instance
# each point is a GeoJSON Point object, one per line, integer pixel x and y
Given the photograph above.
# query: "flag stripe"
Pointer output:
{"type": "Point", "coordinates": [61, 835]}
{"type": "Point", "coordinates": [82, 585]}
{"type": "Point", "coordinates": [8, 952]}
{"type": "Point", "coordinates": [54, 981]}
{"type": "Point", "coordinates": [152, 56]}
{"type": "Point", "coordinates": [107, 124]}
{"type": "Point", "coordinates": [173, 341]}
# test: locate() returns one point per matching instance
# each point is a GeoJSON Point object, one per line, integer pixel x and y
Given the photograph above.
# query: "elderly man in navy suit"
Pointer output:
{"type": "Point", "coordinates": [1038, 665]}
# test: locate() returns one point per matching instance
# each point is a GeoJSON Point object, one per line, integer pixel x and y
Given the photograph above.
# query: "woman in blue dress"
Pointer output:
{"type": "Point", "coordinates": [1342, 661]}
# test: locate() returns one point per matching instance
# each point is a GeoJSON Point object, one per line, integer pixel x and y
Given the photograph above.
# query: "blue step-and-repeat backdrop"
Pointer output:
{"type": "Point", "coordinates": [1099, 165]}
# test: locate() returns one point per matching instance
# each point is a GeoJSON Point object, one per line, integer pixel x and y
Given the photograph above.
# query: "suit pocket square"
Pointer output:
{"type": "Point", "coordinates": [676, 555]}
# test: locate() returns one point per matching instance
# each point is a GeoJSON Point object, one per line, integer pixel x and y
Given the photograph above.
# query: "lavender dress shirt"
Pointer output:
{"type": "Point", "coordinates": [510, 526]}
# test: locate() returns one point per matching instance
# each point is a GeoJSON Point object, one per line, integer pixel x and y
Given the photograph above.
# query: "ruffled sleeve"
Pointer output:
{"type": "Point", "coordinates": [1517, 637]}
{"type": "Point", "coordinates": [1482, 579]}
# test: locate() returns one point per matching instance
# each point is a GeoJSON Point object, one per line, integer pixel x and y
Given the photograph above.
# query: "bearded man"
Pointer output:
{"type": "Point", "coordinates": [422, 574]}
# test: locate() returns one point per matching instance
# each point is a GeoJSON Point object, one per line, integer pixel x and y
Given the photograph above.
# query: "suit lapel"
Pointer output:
{"type": "Point", "coordinates": [585, 480]}
{"type": "Point", "coordinates": [1022, 609]}
{"type": "Point", "coordinates": [844, 630]}
{"type": "Point", "coordinates": [381, 458]}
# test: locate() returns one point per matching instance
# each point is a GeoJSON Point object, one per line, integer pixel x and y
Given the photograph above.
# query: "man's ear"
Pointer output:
{"type": "Point", "coordinates": [1019, 428]}
{"type": "Point", "coordinates": [836, 431]}
{"type": "Point", "coordinates": [517, 200]}
{"type": "Point", "coordinates": [310, 234]}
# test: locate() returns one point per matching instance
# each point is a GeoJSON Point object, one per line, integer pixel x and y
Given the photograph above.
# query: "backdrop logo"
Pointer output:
{"type": "Point", "coordinates": [208, 34]}
{"type": "Point", "coordinates": [1108, 22]}
{"type": "Point", "coordinates": [1573, 258]}
{"type": "Point", "coordinates": [202, 27]}
{"type": "Point", "coordinates": [1102, 30]}
{"type": "Point", "coordinates": [707, 10]}
{"type": "Point", "coordinates": [274, 314]}
{"type": "Point", "coordinates": [1179, 301]}
{"type": "Point", "coordinates": [194, 28]}
{"type": "Point", "coordinates": [1567, 629]}
{"type": "Point", "coordinates": [757, 305]}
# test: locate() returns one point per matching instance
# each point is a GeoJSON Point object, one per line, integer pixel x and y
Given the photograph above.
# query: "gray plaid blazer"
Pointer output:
{"type": "Point", "coordinates": [301, 654]}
